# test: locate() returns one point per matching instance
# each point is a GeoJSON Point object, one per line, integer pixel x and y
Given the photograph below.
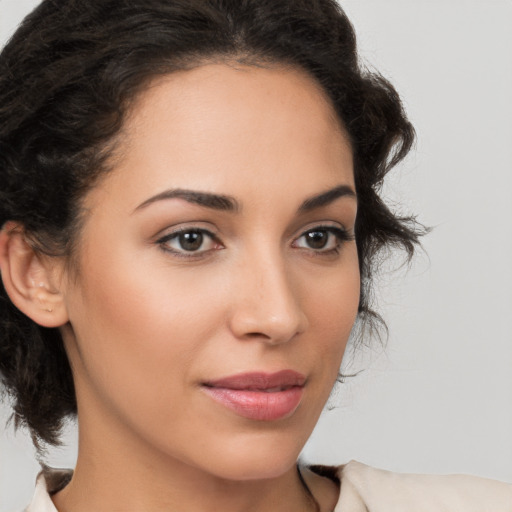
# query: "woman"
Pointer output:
{"type": "Point", "coordinates": [190, 221]}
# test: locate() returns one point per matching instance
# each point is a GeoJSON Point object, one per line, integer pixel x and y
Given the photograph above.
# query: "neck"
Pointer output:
{"type": "Point", "coordinates": [119, 475]}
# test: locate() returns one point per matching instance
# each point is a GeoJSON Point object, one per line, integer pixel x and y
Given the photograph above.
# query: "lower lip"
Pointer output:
{"type": "Point", "coordinates": [258, 405]}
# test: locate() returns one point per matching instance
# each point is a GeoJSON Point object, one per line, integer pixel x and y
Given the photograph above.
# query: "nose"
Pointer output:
{"type": "Point", "coordinates": [266, 303]}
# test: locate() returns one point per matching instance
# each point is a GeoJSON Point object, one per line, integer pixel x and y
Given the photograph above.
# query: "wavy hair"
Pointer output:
{"type": "Point", "coordinates": [67, 79]}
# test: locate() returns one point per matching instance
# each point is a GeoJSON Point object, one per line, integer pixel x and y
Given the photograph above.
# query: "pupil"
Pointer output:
{"type": "Point", "coordinates": [317, 239]}
{"type": "Point", "coordinates": [191, 241]}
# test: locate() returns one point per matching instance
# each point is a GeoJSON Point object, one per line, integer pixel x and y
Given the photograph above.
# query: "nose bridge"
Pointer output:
{"type": "Point", "coordinates": [267, 305]}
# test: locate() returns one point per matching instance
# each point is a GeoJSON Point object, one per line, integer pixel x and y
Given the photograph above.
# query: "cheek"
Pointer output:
{"type": "Point", "coordinates": [333, 304]}
{"type": "Point", "coordinates": [137, 330]}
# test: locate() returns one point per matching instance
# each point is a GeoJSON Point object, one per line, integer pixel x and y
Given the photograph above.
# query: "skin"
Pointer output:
{"type": "Point", "coordinates": [146, 323]}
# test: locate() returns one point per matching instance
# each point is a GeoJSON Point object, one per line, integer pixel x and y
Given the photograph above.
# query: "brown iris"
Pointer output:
{"type": "Point", "coordinates": [191, 240]}
{"type": "Point", "coordinates": [317, 239]}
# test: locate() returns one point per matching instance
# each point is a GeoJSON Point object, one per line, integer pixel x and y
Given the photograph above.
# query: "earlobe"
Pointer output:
{"type": "Point", "coordinates": [29, 278]}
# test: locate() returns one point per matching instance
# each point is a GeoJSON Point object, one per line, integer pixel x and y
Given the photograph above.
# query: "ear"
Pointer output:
{"type": "Point", "coordinates": [31, 280]}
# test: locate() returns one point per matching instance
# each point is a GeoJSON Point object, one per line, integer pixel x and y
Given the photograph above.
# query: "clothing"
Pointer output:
{"type": "Point", "coordinates": [366, 489]}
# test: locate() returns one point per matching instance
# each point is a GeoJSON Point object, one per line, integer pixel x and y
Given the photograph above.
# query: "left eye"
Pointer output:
{"type": "Point", "coordinates": [321, 238]}
{"type": "Point", "coordinates": [189, 241]}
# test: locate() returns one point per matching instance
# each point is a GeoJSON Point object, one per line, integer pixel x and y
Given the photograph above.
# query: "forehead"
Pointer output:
{"type": "Point", "coordinates": [239, 85]}
{"type": "Point", "coordinates": [217, 127]}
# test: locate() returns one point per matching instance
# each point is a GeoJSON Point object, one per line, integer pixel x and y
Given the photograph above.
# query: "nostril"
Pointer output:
{"type": "Point", "coordinates": [257, 335]}
{"type": "Point", "coordinates": [271, 334]}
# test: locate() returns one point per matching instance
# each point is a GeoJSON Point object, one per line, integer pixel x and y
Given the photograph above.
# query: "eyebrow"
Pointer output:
{"type": "Point", "coordinates": [230, 204]}
{"type": "Point", "coordinates": [326, 198]}
{"type": "Point", "coordinates": [206, 199]}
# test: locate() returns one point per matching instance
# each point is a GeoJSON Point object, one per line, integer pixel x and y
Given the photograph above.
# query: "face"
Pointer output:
{"type": "Point", "coordinates": [218, 275]}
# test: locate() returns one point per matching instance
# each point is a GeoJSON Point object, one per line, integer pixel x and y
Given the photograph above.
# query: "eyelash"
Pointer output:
{"type": "Point", "coordinates": [164, 241]}
{"type": "Point", "coordinates": [341, 235]}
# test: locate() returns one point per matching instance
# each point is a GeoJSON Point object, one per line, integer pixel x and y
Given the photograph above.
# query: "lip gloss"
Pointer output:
{"type": "Point", "coordinates": [259, 396]}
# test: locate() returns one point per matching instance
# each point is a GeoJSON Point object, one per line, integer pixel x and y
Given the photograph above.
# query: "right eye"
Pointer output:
{"type": "Point", "coordinates": [189, 241]}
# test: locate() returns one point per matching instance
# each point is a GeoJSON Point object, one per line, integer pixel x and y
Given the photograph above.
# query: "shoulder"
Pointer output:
{"type": "Point", "coordinates": [365, 488]}
{"type": "Point", "coordinates": [48, 481]}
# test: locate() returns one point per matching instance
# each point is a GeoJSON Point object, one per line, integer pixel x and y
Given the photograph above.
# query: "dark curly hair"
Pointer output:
{"type": "Point", "coordinates": [67, 79]}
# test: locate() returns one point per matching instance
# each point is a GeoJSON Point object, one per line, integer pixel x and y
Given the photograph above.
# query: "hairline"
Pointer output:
{"type": "Point", "coordinates": [109, 157]}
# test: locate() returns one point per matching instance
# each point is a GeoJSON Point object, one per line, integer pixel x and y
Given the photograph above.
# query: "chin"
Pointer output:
{"type": "Point", "coordinates": [258, 458]}
{"type": "Point", "coordinates": [255, 469]}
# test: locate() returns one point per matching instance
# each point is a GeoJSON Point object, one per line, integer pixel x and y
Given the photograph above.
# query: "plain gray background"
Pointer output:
{"type": "Point", "coordinates": [439, 398]}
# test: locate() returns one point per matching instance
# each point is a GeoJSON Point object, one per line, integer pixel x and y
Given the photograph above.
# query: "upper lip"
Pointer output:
{"type": "Point", "coordinates": [260, 381]}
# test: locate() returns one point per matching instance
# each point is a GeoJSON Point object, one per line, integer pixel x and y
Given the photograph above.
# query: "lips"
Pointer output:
{"type": "Point", "coordinates": [259, 396]}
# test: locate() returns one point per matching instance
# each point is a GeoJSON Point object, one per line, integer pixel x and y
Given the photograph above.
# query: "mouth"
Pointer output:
{"type": "Point", "coordinates": [259, 396]}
